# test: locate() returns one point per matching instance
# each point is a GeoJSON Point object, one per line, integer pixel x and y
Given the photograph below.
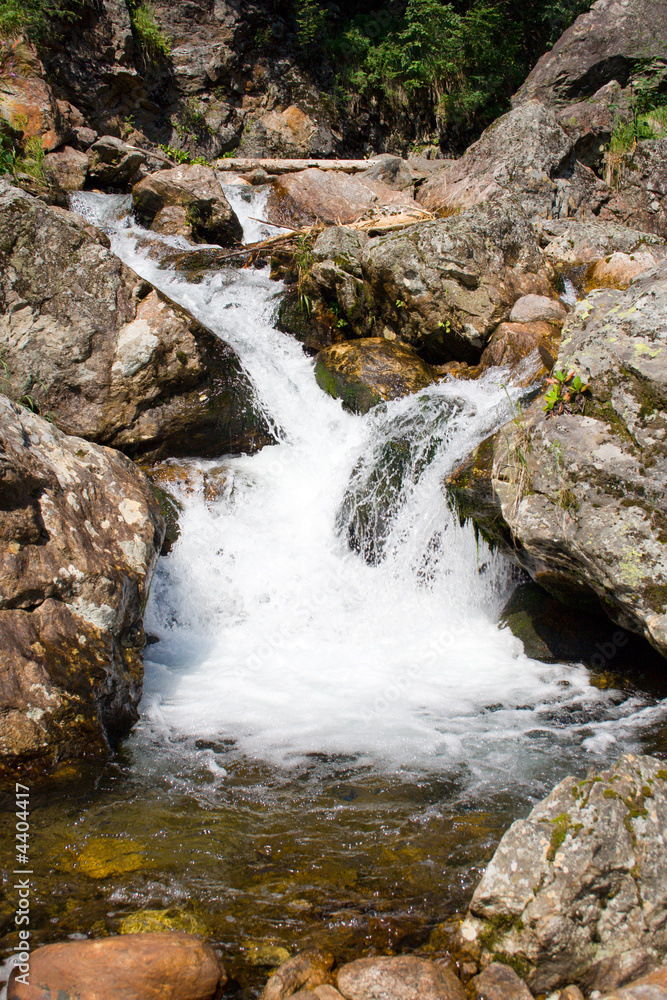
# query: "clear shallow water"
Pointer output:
{"type": "Point", "coordinates": [330, 745]}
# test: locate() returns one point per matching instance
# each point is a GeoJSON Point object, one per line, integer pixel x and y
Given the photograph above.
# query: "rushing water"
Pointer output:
{"type": "Point", "coordinates": [334, 730]}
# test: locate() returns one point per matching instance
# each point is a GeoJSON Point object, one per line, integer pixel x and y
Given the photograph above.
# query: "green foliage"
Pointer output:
{"type": "Point", "coordinates": [34, 16]}
{"type": "Point", "coordinates": [7, 148]}
{"type": "Point", "coordinates": [566, 394]}
{"type": "Point", "coordinates": [648, 110]}
{"type": "Point", "coordinates": [190, 122]}
{"type": "Point", "coordinates": [182, 156]}
{"type": "Point", "coordinates": [147, 31]}
{"type": "Point", "coordinates": [456, 63]}
{"type": "Point", "coordinates": [311, 19]}
{"type": "Point", "coordinates": [31, 161]}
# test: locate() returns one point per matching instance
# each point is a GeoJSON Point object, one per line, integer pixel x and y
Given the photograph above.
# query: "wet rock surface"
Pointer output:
{"type": "Point", "coordinates": [364, 372]}
{"type": "Point", "coordinates": [135, 967]}
{"type": "Point", "coordinates": [81, 532]}
{"type": "Point", "coordinates": [441, 287]}
{"type": "Point", "coordinates": [578, 499]}
{"type": "Point", "coordinates": [402, 978]}
{"type": "Point", "coordinates": [102, 353]}
{"type": "Point", "coordinates": [193, 196]}
{"type": "Point", "coordinates": [499, 982]}
{"type": "Point", "coordinates": [576, 892]}
{"type": "Point", "coordinates": [305, 971]}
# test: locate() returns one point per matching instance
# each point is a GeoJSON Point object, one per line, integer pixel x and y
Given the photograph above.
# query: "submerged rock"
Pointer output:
{"type": "Point", "coordinates": [134, 967]}
{"type": "Point", "coordinates": [304, 971]}
{"type": "Point", "coordinates": [577, 498]}
{"type": "Point", "coordinates": [82, 532]}
{"type": "Point", "coordinates": [187, 200]}
{"type": "Point", "coordinates": [576, 892]}
{"type": "Point", "coordinates": [364, 372]}
{"type": "Point", "coordinates": [104, 355]}
{"type": "Point", "coordinates": [404, 977]}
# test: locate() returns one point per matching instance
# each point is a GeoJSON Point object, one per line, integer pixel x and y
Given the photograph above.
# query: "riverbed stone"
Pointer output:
{"type": "Point", "coordinates": [134, 967]}
{"type": "Point", "coordinates": [102, 353]}
{"type": "Point", "coordinates": [68, 167]}
{"type": "Point", "coordinates": [305, 971]}
{"type": "Point", "coordinates": [112, 163]}
{"type": "Point", "coordinates": [364, 372]}
{"type": "Point", "coordinates": [403, 977]}
{"type": "Point", "coordinates": [499, 982]}
{"type": "Point", "coordinates": [511, 342]}
{"type": "Point", "coordinates": [650, 987]}
{"type": "Point", "coordinates": [584, 241]}
{"type": "Point", "coordinates": [577, 892]}
{"type": "Point", "coordinates": [81, 533]}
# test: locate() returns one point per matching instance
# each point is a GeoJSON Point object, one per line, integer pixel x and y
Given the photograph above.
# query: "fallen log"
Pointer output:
{"type": "Point", "coordinates": [243, 164]}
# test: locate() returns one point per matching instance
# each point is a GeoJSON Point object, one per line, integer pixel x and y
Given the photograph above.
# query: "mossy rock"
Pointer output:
{"type": "Point", "coordinates": [102, 857]}
{"type": "Point", "coordinates": [163, 921]}
{"type": "Point", "coordinates": [363, 373]}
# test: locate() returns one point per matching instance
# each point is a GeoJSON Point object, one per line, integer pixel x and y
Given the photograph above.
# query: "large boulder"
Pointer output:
{"type": "Point", "coordinates": [103, 354]}
{"type": "Point", "coordinates": [442, 286]}
{"type": "Point", "coordinates": [577, 892]}
{"type": "Point", "coordinates": [364, 372]}
{"type": "Point", "coordinates": [134, 967]}
{"type": "Point", "coordinates": [525, 153]}
{"type": "Point", "coordinates": [578, 498]}
{"type": "Point", "coordinates": [81, 532]}
{"type": "Point", "coordinates": [289, 133]}
{"type": "Point", "coordinates": [611, 42]}
{"type": "Point", "coordinates": [332, 197]}
{"type": "Point", "coordinates": [191, 199]}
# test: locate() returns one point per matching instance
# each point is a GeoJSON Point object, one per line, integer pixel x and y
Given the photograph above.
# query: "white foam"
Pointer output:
{"type": "Point", "coordinates": [275, 635]}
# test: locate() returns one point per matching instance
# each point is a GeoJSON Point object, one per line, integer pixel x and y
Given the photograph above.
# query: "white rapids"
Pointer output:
{"type": "Point", "coordinates": [280, 640]}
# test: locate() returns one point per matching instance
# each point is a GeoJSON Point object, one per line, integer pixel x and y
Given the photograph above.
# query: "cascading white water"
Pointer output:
{"type": "Point", "coordinates": [277, 636]}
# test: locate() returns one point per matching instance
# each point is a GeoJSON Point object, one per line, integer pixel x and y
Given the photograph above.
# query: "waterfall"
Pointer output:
{"type": "Point", "coordinates": [322, 598]}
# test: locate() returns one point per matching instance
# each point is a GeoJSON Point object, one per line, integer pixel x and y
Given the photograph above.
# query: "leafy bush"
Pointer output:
{"type": "Point", "coordinates": [147, 31]}
{"type": "Point", "coordinates": [566, 394]}
{"type": "Point", "coordinates": [34, 16]}
{"type": "Point", "coordinates": [456, 63]}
